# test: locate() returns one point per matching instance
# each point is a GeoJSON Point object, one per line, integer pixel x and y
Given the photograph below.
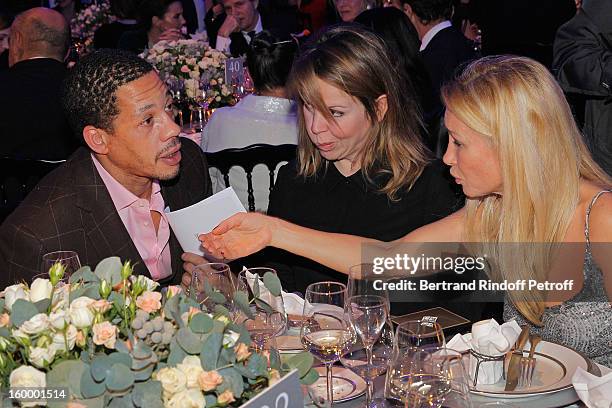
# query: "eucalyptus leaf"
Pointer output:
{"type": "Point", "coordinates": [189, 341]}
{"type": "Point", "coordinates": [310, 378]}
{"type": "Point", "coordinates": [245, 372]}
{"type": "Point", "coordinates": [141, 350]}
{"type": "Point", "coordinates": [201, 323]}
{"type": "Point", "coordinates": [101, 367]}
{"type": "Point", "coordinates": [275, 360]}
{"type": "Point", "coordinates": [232, 380]}
{"type": "Point", "coordinates": [122, 358]}
{"type": "Point", "coordinates": [2, 303]}
{"type": "Point", "coordinates": [210, 351]}
{"type": "Point", "coordinates": [221, 310]}
{"type": "Point", "coordinates": [83, 274]}
{"type": "Point", "coordinates": [211, 400]}
{"type": "Point", "coordinates": [256, 291]}
{"type": "Point", "coordinates": [42, 305]}
{"type": "Point", "coordinates": [177, 354]}
{"type": "Point", "coordinates": [117, 299]}
{"type": "Point", "coordinates": [22, 311]}
{"type": "Point", "coordinates": [245, 336]}
{"type": "Point", "coordinates": [4, 332]}
{"type": "Point", "coordinates": [121, 346]}
{"type": "Point", "coordinates": [120, 378]}
{"type": "Point", "coordinates": [121, 402]}
{"type": "Point", "coordinates": [227, 356]}
{"type": "Point", "coordinates": [109, 269]}
{"type": "Point", "coordinates": [67, 373]}
{"type": "Point", "coordinates": [89, 387]}
{"type": "Point", "coordinates": [213, 294]}
{"type": "Point", "coordinates": [241, 300]}
{"type": "Point", "coordinates": [76, 293]}
{"type": "Point", "coordinates": [257, 364]}
{"type": "Point", "coordinates": [272, 283]}
{"type": "Point", "coordinates": [92, 290]}
{"type": "Point", "coordinates": [171, 307]}
{"type": "Point", "coordinates": [264, 306]}
{"type": "Point", "coordinates": [302, 362]}
{"type": "Point", "coordinates": [147, 394]}
{"type": "Point", "coordinates": [144, 374]}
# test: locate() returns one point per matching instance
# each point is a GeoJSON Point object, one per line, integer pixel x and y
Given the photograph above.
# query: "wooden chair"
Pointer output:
{"type": "Point", "coordinates": [17, 178]}
{"type": "Point", "coordinates": [247, 158]}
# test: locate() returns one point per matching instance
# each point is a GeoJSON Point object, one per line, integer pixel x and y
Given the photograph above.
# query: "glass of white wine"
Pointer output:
{"type": "Point", "coordinates": [326, 332]}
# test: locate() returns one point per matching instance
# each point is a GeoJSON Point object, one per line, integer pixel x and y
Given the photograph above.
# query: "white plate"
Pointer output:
{"type": "Point", "coordinates": [554, 369]}
{"type": "Point", "coordinates": [347, 384]}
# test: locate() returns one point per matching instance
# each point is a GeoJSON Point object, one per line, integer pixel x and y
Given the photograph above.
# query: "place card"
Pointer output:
{"type": "Point", "coordinates": [445, 318]}
{"type": "Point", "coordinates": [234, 72]}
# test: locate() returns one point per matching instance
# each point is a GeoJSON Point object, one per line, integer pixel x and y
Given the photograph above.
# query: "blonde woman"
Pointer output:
{"type": "Point", "coordinates": [520, 159]}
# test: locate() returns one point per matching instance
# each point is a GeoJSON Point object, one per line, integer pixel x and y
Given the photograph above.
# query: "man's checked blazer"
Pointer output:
{"type": "Point", "coordinates": [71, 209]}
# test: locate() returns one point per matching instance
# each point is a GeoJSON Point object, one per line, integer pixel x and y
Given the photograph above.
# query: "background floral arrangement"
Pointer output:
{"type": "Point", "coordinates": [113, 340]}
{"type": "Point", "coordinates": [87, 21]}
{"type": "Point", "coordinates": [192, 62]}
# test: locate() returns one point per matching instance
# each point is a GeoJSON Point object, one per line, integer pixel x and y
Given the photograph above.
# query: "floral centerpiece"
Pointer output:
{"type": "Point", "coordinates": [193, 63]}
{"type": "Point", "coordinates": [87, 21]}
{"type": "Point", "coordinates": [109, 338]}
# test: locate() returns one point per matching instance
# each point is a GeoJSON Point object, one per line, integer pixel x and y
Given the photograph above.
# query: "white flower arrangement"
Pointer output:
{"type": "Point", "coordinates": [192, 61]}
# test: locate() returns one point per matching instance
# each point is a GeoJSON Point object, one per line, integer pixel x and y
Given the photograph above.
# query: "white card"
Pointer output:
{"type": "Point", "coordinates": [200, 218]}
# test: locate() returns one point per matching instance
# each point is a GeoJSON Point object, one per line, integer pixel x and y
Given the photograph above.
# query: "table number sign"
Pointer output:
{"type": "Point", "coordinates": [284, 394]}
{"type": "Point", "coordinates": [234, 72]}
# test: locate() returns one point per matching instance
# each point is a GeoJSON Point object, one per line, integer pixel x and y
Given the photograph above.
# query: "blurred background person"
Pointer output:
{"type": "Point", "coordinates": [267, 116]}
{"type": "Point", "coordinates": [158, 20]}
{"type": "Point", "coordinates": [108, 35]}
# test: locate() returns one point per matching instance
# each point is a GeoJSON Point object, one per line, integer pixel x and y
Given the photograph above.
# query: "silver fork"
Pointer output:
{"type": "Point", "coordinates": [528, 363]}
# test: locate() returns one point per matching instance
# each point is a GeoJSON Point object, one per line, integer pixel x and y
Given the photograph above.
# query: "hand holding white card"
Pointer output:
{"type": "Point", "coordinates": [200, 218]}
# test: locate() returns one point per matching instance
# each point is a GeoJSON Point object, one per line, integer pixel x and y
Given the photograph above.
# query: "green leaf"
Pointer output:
{"type": "Point", "coordinates": [121, 346]}
{"type": "Point", "coordinates": [147, 394]}
{"type": "Point", "coordinates": [221, 310]}
{"type": "Point", "coordinates": [245, 372]}
{"type": "Point", "coordinates": [4, 332]}
{"type": "Point", "coordinates": [201, 323]}
{"type": "Point", "coordinates": [76, 293]}
{"type": "Point", "coordinates": [121, 402]}
{"type": "Point", "coordinates": [109, 269]}
{"type": "Point", "coordinates": [120, 378]}
{"type": "Point", "coordinates": [89, 387]}
{"type": "Point", "coordinates": [122, 358]}
{"type": "Point", "coordinates": [257, 364]}
{"type": "Point", "coordinates": [2, 304]}
{"type": "Point", "coordinates": [264, 306]}
{"type": "Point", "coordinates": [272, 282]}
{"type": "Point", "coordinates": [22, 311]}
{"type": "Point", "coordinates": [245, 336]}
{"type": "Point", "coordinates": [302, 362]}
{"type": "Point", "coordinates": [213, 294]}
{"type": "Point", "coordinates": [101, 367]}
{"type": "Point", "coordinates": [145, 374]}
{"type": "Point", "coordinates": [142, 350]}
{"type": "Point", "coordinates": [227, 356]}
{"type": "Point", "coordinates": [42, 305]}
{"type": "Point", "coordinates": [172, 306]}
{"type": "Point", "coordinates": [177, 354]}
{"type": "Point", "coordinates": [85, 275]}
{"type": "Point", "coordinates": [232, 380]}
{"type": "Point", "coordinates": [189, 341]}
{"type": "Point", "coordinates": [211, 400]}
{"type": "Point", "coordinates": [210, 351]}
{"type": "Point", "coordinates": [241, 300]}
{"type": "Point", "coordinates": [310, 378]}
{"type": "Point", "coordinates": [275, 360]}
{"type": "Point", "coordinates": [117, 299]}
{"type": "Point", "coordinates": [67, 373]}
{"type": "Point", "coordinates": [186, 304]}
{"type": "Point", "coordinates": [92, 290]}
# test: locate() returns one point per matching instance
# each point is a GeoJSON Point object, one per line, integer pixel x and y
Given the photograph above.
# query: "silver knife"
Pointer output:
{"type": "Point", "coordinates": [514, 368]}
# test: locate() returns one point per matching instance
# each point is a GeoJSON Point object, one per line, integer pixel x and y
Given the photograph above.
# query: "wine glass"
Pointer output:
{"type": "Point", "coordinates": [432, 377]}
{"type": "Point", "coordinates": [325, 331]}
{"type": "Point", "coordinates": [69, 259]}
{"type": "Point", "coordinates": [211, 284]}
{"type": "Point", "coordinates": [198, 112]}
{"type": "Point", "coordinates": [270, 318]}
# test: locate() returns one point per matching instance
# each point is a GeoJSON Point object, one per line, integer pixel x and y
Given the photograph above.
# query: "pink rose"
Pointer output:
{"type": "Point", "coordinates": [209, 380]}
{"type": "Point", "coordinates": [149, 301]}
{"type": "Point", "coordinates": [173, 290]}
{"type": "Point", "coordinates": [105, 333]}
{"type": "Point", "coordinates": [4, 319]}
{"type": "Point", "coordinates": [242, 352]}
{"type": "Point", "coordinates": [185, 69]}
{"type": "Point", "coordinates": [101, 306]}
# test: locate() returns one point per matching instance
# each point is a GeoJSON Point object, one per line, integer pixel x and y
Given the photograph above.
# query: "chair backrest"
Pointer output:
{"type": "Point", "coordinates": [17, 178]}
{"type": "Point", "coordinates": [247, 158]}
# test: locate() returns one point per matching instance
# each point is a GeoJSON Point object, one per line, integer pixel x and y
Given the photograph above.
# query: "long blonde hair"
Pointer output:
{"type": "Point", "coordinates": [517, 103]}
{"type": "Point", "coordinates": [355, 60]}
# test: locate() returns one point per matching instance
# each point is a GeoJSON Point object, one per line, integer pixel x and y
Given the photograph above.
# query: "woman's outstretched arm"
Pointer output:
{"type": "Point", "coordinates": [246, 233]}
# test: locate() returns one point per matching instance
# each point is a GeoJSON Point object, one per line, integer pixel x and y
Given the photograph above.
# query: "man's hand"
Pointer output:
{"type": "Point", "coordinates": [190, 261]}
{"type": "Point", "coordinates": [229, 26]}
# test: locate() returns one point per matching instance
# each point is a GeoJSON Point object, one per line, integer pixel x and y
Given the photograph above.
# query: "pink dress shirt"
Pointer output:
{"type": "Point", "coordinates": [135, 212]}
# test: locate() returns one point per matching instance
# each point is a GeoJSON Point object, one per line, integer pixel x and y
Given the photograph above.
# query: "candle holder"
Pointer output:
{"type": "Point", "coordinates": [483, 358]}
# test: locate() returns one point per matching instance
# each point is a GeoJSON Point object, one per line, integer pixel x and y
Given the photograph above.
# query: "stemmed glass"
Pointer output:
{"type": "Point", "coordinates": [211, 284]}
{"type": "Point", "coordinates": [325, 331]}
{"type": "Point", "coordinates": [69, 259]}
{"type": "Point", "coordinates": [270, 318]}
{"type": "Point", "coordinates": [202, 101]}
{"type": "Point", "coordinates": [432, 377]}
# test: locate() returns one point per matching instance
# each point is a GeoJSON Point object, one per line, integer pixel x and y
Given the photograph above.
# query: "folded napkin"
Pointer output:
{"type": "Point", "coordinates": [491, 339]}
{"type": "Point", "coordinates": [293, 304]}
{"type": "Point", "coordinates": [595, 392]}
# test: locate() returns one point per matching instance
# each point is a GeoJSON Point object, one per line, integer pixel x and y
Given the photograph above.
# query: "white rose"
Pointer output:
{"type": "Point", "coordinates": [14, 292]}
{"type": "Point", "coordinates": [80, 313]}
{"type": "Point", "coordinates": [172, 381]}
{"type": "Point", "coordinates": [42, 356]}
{"type": "Point", "coordinates": [149, 284]}
{"type": "Point", "coordinates": [20, 336]}
{"type": "Point", "coordinates": [58, 320]}
{"type": "Point", "coordinates": [59, 342]}
{"type": "Point", "coordinates": [192, 368]}
{"type": "Point", "coordinates": [40, 289]}
{"type": "Point", "coordinates": [27, 376]}
{"type": "Point", "coordinates": [191, 398]}
{"type": "Point", "coordinates": [230, 338]}
{"type": "Point", "coordinates": [37, 324]}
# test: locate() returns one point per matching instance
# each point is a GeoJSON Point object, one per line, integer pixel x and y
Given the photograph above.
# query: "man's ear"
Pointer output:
{"type": "Point", "coordinates": [407, 10]}
{"type": "Point", "coordinates": [96, 139]}
{"type": "Point", "coordinates": [255, 4]}
{"type": "Point", "coordinates": [382, 106]}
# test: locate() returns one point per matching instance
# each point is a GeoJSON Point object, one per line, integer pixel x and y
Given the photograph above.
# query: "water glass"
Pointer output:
{"type": "Point", "coordinates": [69, 259]}
{"type": "Point", "coordinates": [211, 284]}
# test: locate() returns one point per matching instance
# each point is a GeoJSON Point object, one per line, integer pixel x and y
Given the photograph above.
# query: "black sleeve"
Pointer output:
{"type": "Point", "coordinates": [280, 196]}
{"type": "Point", "coordinates": [445, 196]}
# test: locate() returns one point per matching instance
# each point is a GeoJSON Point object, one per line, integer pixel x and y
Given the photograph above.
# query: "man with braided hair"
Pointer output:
{"type": "Point", "coordinates": [109, 198]}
